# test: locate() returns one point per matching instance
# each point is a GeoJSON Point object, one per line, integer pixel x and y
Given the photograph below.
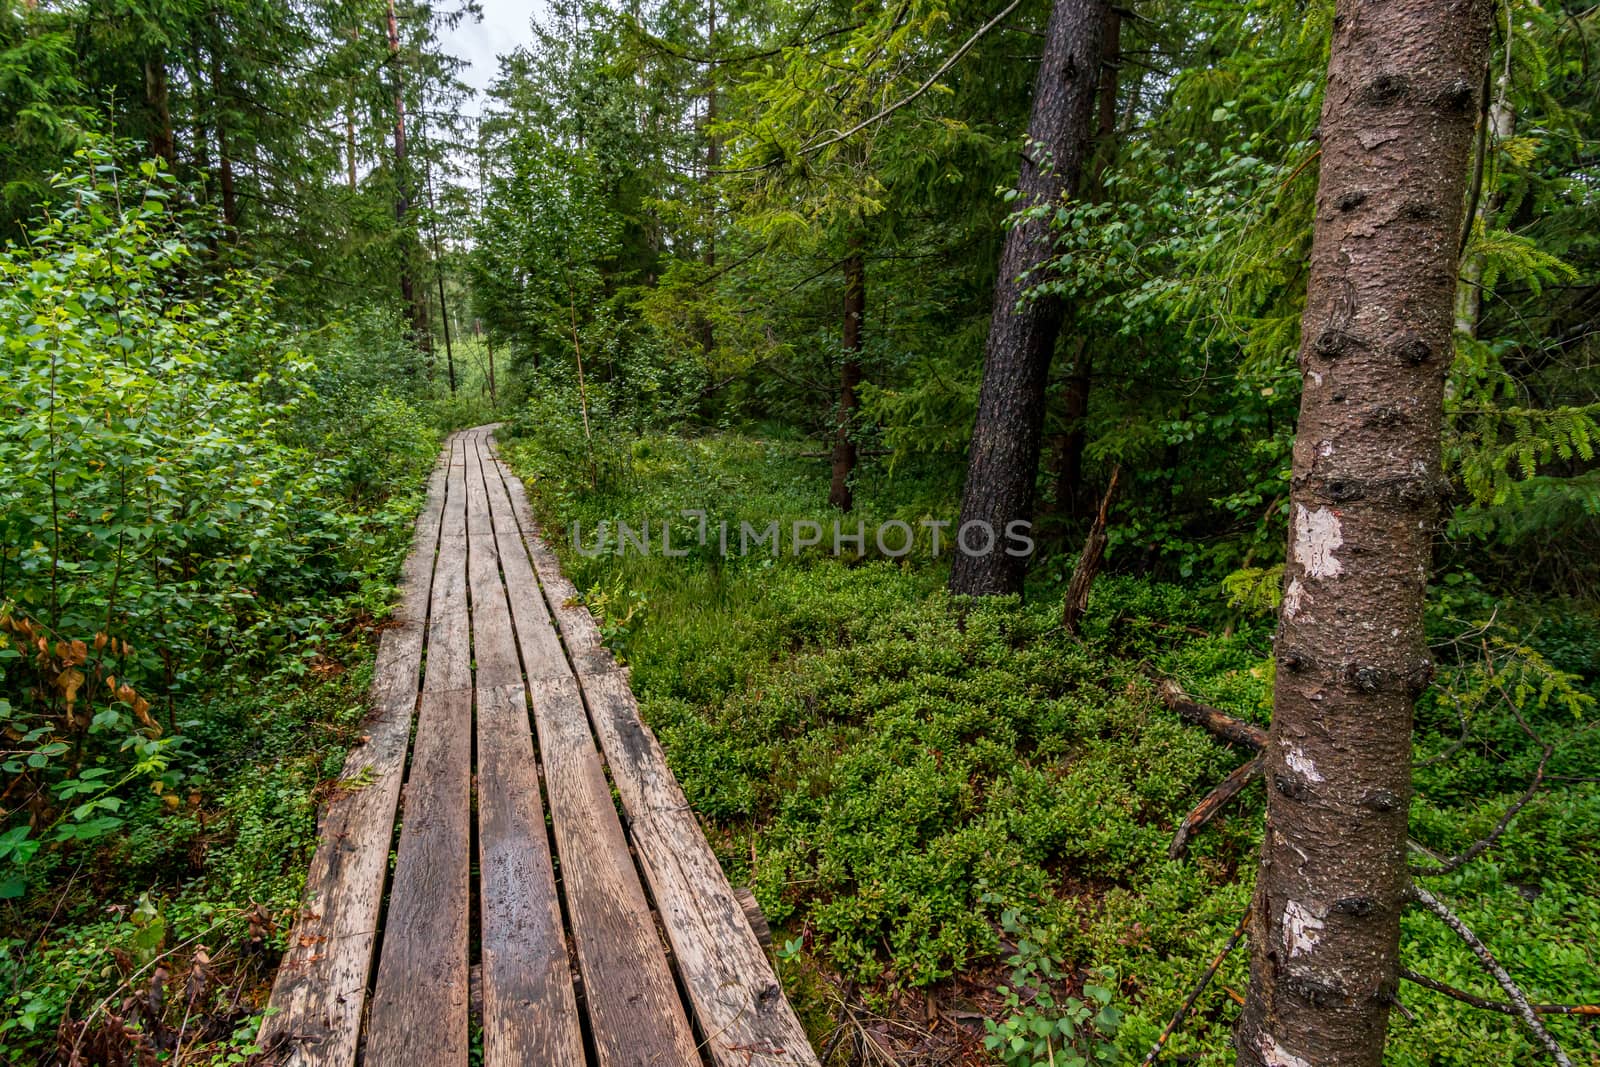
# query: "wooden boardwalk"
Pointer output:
{"type": "Point", "coordinates": [605, 934]}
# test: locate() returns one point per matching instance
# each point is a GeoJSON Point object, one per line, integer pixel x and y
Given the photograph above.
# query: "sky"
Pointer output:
{"type": "Point", "coordinates": [504, 27]}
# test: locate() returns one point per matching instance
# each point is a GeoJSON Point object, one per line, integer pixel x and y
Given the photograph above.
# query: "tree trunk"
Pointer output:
{"type": "Point", "coordinates": [840, 494]}
{"type": "Point", "coordinates": [494, 397]}
{"type": "Point", "coordinates": [1500, 124]}
{"type": "Point", "coordinates": [414, 295]}
{"type": "Point", "coordinates": [159, 99]}
{"type": "Point", "coordinates": [708, 336]}
{"type": "Point", "coordinates": [1004, 460]}
{"type": "Point", "coordinates": [219, 103]}
{"type": "Point", "coordinates": [1397, 129]}
{"type": "Point", "coordinates": [438, 271]}
{"type": "Point", "coordinates": [1068, 446]}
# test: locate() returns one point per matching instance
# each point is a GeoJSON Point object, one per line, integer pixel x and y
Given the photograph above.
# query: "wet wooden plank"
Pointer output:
{"type": "Point", "coordinates": [419, 1002]}
{"type": "Point", "coordinates": [635, 1015]}
{"type": "Point", "coordinates": [530, 1012]}
{"type": "Point", "coordinates": [737, 1000]}
{"type": "Point", "coordinates": [542, 655]}
{"type": "Point", "coordinates": [321, 985]}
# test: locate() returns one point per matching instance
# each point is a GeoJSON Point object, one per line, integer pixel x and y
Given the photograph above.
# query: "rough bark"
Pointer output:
{"type": "Point", "coordinates": [1003, 463]}
{"type": "Point", "coordinates": [840, 494]}
{"type": "Point", "coordinates": [1397, 128]}
{"type": "Point", "coordinates": [1074, 400]}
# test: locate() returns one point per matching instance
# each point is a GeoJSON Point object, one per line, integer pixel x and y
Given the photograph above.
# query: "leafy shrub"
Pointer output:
{"type": "Point", "coordinates": [176, 497]}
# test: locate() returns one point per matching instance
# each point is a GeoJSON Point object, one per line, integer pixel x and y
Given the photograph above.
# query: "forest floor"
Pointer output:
{"type": "Point", "coordinates": [945, 810]}
{"type": "Point", "coordinates": [936, 803]}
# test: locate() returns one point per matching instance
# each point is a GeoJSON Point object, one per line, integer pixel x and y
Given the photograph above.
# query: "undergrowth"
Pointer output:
{"type": "Point", "coordinates": [899, 775]}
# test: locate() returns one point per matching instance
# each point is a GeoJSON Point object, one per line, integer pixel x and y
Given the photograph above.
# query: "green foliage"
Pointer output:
{"type": "Point", "coordinates": [1039, 1031]}
{"type": "Point", "coordinates": [898, 777]}
{"type": "Point", "coordinates": [180, 499]}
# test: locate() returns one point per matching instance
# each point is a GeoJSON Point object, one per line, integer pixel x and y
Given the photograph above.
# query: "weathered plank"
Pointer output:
{"type": "Point", "coordinates": [530, 1013]}
{"type": "Point", "coordinates": [542, 655]}
{"type": "Point", "coordinates": [419, 1002]}
{"type": "Point", "coordinates": [494, 645]}
{"type": "Point", "coordinates": [731, 985]}
{"type": "Point", "coordinates": [320, 989]}
{"type": "Point", "coordinates": [580, 634]}
{"type": "Point", "coordinates": [449, 663]}
{"type": "Point", "coordinates": [635, 1015]}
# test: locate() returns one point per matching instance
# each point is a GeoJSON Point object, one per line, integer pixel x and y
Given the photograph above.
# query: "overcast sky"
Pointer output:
{"type": "Point", "coordinates": [504, 27]}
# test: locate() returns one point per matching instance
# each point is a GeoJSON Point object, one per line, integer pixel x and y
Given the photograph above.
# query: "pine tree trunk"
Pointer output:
{"type": "Point", "coordinates": [708, 334]}
{"type": "Point", "coordinates": [1397, 129]}
{"type": "Point", "coordinates": [840, 494]}
{"type": "Point", "coordinates": [1003, 463]}
{"type": "Point", "coordinates": [158, 97]}
{"type": "Point", "coordinates": [220, 97]}
{"type": "Point", "coordinates": [1068, 446]}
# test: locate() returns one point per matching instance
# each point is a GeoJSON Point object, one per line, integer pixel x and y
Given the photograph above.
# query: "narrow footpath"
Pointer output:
{"type": "Point", "coordinates": [606, 933]}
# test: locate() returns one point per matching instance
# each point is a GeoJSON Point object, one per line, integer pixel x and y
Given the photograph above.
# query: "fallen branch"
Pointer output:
{"type": "Point", "coordinates": [1519, 1000]}
{"type": "Point", "coordinates": [1483, 844]}
{"type": "Point", "coordinates": [1499, 1006]}
{"type": "Point", "coordinates": [1214, 802]}
{"type": "Point", "coordinates": [1194, 994]}
{"type": "Point", "coordinates": [1233, 730]}
{"type": "Point", "coordinates": [1094, 553]}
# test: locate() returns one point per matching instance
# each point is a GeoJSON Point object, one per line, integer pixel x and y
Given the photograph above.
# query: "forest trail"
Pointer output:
{"type": "Point", "coordinates": [603, 936]}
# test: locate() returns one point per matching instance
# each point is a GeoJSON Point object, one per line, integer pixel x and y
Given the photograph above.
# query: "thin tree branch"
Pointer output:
{"type": "Point", "coordinates": [1194, 995]}
{"type": "Point", "coordinates": [954, 58]}
{"type": "Point", "coordinates": [1479, 847]}
{"type": "Point", "coordinates": [1514, 993]}
{"type": "Point", "coordinates": [1500, 1006]}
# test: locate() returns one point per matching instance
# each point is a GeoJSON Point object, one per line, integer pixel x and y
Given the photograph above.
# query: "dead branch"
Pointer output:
{"type": "Point", "coordinates": [1094, 554]}
{"type": "Point", "coordinates": [1519, 1000]}
{"type": "Point", "coordinates": [1213, 803]}
{"type": "Point", "coordinates": [1194, 994]}
{"type": "Point", "coordinates": [1234, 731]}
{"type": "Point", "coordinates": [1483, 844]}
{"type": "Point", "coordinates": [1499, 1006]}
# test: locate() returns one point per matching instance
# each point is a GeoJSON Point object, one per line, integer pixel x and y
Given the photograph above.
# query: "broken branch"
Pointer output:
{"type": "Point", "coordinates": [1194, 994]}
{"type": "Point", "coordinates": [1233, 730]}
{"type": "Point", "coordinates": [1214, 802]}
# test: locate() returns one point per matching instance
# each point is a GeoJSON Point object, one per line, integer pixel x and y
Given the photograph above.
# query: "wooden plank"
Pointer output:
{"type": "Point", "coordinates": [735, 994]}
{"type": "Point", "coordinates": [321, 985]}
{"type": "Point", "coordinates": [580, 633]}
{"type": "Point", "coordinates": [542, 655]}
{"type": "Point", "coordinates": [530, 1012]}
{"type": "Point", "coordinates": [419, 1003]}
{"type": "Point", "coordinates": [449, 663]}
{"type": "Point", "coordinates": [494, 644]}
{"type": "Point", "coordinates": [635, 1015]}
